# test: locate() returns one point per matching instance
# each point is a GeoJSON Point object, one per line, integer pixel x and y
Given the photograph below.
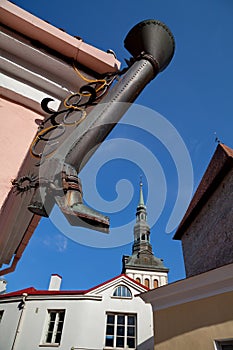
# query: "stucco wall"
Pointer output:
{"type": "Point", "coordinates": [9, 324]}
{"type": "Point", "coordinates": [194, 325]}
{"type": "Point", "coordinates": [208, 242]}
{"type": "Point", "coordinates": [17, 130]}
{"type": "Point", "coordinates": [84, 325]}
{"type": "Point", "coordinates": [161, 277]}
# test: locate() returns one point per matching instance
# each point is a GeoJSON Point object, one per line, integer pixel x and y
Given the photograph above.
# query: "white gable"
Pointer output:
{"type": "Point", "coordinates": [107, 288]}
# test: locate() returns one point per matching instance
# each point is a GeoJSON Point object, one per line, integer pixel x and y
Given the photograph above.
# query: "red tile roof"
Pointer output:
{"type": "Point", "coordinates": [220, 164]}
{"type": "Point", "coordinates": [33, 291]}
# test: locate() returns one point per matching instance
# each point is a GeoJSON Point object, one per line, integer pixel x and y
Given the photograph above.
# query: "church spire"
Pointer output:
{"type": "Point", "coordinates": [141, 228]}
{"type": "Point", "coordinates": [141, 214]}
{"type": "Point", "coordinates": [142, 265]}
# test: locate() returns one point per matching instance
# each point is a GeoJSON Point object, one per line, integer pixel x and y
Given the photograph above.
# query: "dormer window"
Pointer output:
{"type": "Point", "coordinates": [122, 292]}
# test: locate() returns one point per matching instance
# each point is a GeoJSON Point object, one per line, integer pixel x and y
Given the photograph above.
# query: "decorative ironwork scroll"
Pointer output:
{"type": "Point", "coordinates": [53, 127]}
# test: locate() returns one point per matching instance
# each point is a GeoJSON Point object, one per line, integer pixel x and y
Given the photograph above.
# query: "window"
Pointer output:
{"type": "Point", "coordinates": [156, 283]}
{"type": "Point", "coordinates": [224, 344]}
{"type": "Point", "coordinates": [138, 280]}
{"type": "Point", "coordinates": [121, 331]}
{"type": "Point", "coordinates": [147, 283]}
{"type": "Point", "coordinates": [54, 327]}
{"type": "Point", "coordinates": [1, 314]}
{"type": "Point", "coordinates": [122, 292]}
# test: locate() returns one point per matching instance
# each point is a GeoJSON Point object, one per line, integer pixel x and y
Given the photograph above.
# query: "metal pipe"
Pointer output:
{"type": "Point", "coordinates": [101, 120]}
{"type": "Point", "coordinates": [21, 307]}
{"type": "Point", "coordinates": [152, 46]}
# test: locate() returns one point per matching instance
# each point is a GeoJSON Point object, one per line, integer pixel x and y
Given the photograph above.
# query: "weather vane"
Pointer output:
{"type": "Point", "coordinates": [216, 138]}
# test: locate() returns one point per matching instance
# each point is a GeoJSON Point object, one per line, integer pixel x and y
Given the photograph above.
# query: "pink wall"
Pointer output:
{"type": "Point", "coordinates": [17, 130]}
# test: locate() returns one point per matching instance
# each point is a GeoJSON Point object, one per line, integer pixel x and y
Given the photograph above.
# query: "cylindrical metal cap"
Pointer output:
{"type": "Point", "coordinates": [154, 38]}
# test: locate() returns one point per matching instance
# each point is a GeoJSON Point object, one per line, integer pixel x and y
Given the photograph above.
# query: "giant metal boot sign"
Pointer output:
{"type": "Point", "coordinates": [67, 138]}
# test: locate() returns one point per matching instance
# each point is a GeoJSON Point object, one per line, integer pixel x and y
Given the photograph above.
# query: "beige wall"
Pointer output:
{"type": "Point", "coordinates": [194, 325]}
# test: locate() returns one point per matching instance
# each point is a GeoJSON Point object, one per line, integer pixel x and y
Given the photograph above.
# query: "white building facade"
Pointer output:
{"type": "Point", "coordinates": [107, 316]}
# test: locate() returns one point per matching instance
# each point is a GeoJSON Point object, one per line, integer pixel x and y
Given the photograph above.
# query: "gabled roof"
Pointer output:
{"type": "Point", "coordinates": [116, 280]}
{"type": "Point", "coordinates": [219, 166]}
{"type": "Point", "coordinates": [100, 287]}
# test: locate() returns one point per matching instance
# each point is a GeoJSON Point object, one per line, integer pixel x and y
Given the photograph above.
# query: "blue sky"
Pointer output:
{"type": "Point", "coordinates": [193, 96]}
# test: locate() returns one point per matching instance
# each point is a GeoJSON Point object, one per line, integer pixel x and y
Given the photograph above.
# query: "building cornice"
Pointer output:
{"type": "Point", "coordinates": [36, 29]}
{"type": "Point", "coordinates": [146, 268]}
{"type": "Point", "coordinates": [45, 297]}
{"type": "Point", "coordinates": [207, 284]}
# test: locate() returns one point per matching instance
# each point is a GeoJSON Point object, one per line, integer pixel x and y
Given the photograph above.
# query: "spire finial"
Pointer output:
{"type": "Point", "coordinates": [141, 199]}
{"type": "Point", "coordinates": [140, 179]}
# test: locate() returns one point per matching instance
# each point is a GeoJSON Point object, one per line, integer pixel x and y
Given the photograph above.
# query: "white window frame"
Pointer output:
{"type": "Point", "coordinates": [55, 329]}
{"type": "Point", "coordinates": [119, 291]}
{"type": "Point", "coordinates": [126, 325]}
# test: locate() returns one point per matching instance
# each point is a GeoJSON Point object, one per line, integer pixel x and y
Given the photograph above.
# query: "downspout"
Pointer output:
{"type": "Point", "coordinates": [152, 46]}
{"type": "Point", "coordinates": [21, 306]}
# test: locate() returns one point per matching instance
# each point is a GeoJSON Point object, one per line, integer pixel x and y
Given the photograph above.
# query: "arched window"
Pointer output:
{"type": "Point", "coordinates": [147, 283]}
{"type": "Point", "coordinates": [122, 292]}
{"type": "Point", "coordinates": [156, 283]}
{"type": "Point", "coordinates": [138, 280]}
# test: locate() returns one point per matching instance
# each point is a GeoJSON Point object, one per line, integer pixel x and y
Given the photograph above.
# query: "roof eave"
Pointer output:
{"type": "Point", "coordinates": [25, 23]}
{"type": "Point", "coordinates": [219, 166]}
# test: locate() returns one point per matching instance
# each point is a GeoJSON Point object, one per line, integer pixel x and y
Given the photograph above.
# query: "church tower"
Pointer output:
{"type": "Point", "coordinates": [142, 265]}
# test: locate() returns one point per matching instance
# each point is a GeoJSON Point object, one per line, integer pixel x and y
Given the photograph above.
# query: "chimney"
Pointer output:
{"type": "Point", "coordinates": [55, 282]}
